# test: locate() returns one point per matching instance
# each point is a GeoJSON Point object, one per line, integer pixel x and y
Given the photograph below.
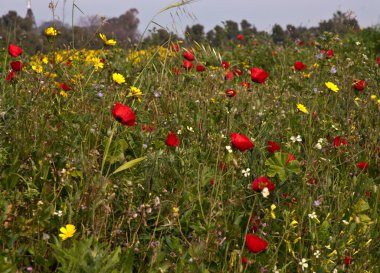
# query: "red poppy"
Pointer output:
{"type": "Point", "coordinates": [174, 47]}
{"type": "Point", "coordinates": [241, 142]}
{"type": "Point", "coordinates": [362, 165]}
{"type": "Point", "coordinates": [225, 64]}
{"type": "Point", "coordinates": [243, 260]}
{"type": "Point", "coordinates": [258, 75]}
{"type": "Point", "coordinates": [200, 67]}
{"type": "Point", "coordinates": [254, 243]}
{"type": "Point", "coordinates": [347, 260]}
{"type": "Point", "coordinates": [339, 141]}
{"type": "Point", "coordinates": [230, 93]}
{"type": "Point", "coordinates": [187, 64]}
{"type": "Point", "coordinates": [14, 50]}
{"type": "Point", "coordinates": [240, 37]}
{"type": "Point", "coordinates": [262, 182]}
{"type": "Point", "coordinates": [246, 85]}
{"type": "Point", "coordinates": [360, 84]}
{"type": "Point", "coordinates": [176, 71]}
{"type": "Point", "coordinates": [273, 146]}
{"type": "Point", "coordinates": [188, 54]}
{"type": "Point", "coordinates": [64, 87]}
{"type": "Point", "coordinates": [329, 53]}
{"type": "Point", "coordinates": [229, 76]}
{"type": "Point", "coordinates": [237, 71]}
{"type": "Point", "coordinates": [298, 65]}
{"type": "Point", "coordinates": [123, 114]}
{"type": "Point", "coordinates": [17, 65]}
{"type": "Point", "coordinates": [378, 61]}
{"type": "Point", "coordinates": [300, 43]}
{"type": "Point", "coordinates": [10, 75]}
{"type": "Point", "coordinates": [290, 158]}
{"type": "Point", "coordinates": [172, 139]}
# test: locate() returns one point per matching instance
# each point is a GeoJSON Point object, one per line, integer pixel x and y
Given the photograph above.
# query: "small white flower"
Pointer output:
{"type": "Point", "coordinates": [265, 192]}
{"type": "Point", "coordinates": [345, 222]}
{"type": "Point", "coordinates": [275, 270]}
{"type": "Point", "coordinates": [318, 146]}
{"type": "Point", "coordinates": [303, 263]}
{"type": "Point", "coordinates": [190, 129]}
{"type": "Point", "coordinates": [294, 139]}
{"type": "Point", "coordinates": [357, 43]}
{"type": "Point", "coordinates": [58, 213]}
{"type": "Point", "coordinates": [317, 254]}
{"type": "Point", "coordinates": [335, 270]}
{"type": "Point", "coordinates": [313, 215]}
{"type": "Point", "coordinates": [229, 149]}
{"type": "Point", "coordinates": [246, 172]}
{"type": "Point", "coordinates": [179, 132]}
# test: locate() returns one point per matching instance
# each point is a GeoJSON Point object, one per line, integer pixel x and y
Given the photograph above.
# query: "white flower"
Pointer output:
{"type": "Point", "coordinates": [357, 43]}
{"type": "Point", "coordinates": [318, 146]}
{"type": "Point", "coordinates": [229, 149]}
{"type": "Point", "coordinates": [275, 270]}
{"type": "Point", "coordinates": [190, 129]}
{"type": "Point", "coordinates": [294, 139]}
{"type": "Point", "coordinates": [265, 192]}
{"type": "Point", "coordinates": [345, 222]}
{"type": "Point", "coordinates": [317, 254]}
{"type": "Point", "coordinates": [179, 132]}
{"type": "Point", "coordinates": [246, 172]}
{"type": "Point", "coordinates": [303, 263]}
{"type": "Point", "coordinates": [313, 215]}
{"type": "Point", "coordinates": [58, 213]}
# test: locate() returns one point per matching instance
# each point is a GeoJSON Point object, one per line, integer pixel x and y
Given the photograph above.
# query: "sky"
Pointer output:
{"type": "Point", "coordinates": [263, 14]}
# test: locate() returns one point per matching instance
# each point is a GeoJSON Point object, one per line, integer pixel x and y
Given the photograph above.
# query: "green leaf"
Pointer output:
{"type": "Point", "coordinates": [129, 164]}
{"type": "Point", "coordinates": [361, 206]}
{"type": "Point", "coordinates": [278, 165]}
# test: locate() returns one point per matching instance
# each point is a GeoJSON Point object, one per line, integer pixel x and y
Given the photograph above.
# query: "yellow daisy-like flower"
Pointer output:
{"type": "Point", "coordinates": [118, 78]}
{"type": "Point", "coordinates": [51, 32]}
{"type": "Point", "coordinates": [67, 232]}
{"type": "Point", "coordinates": [98, 63]}
{"type": "Point", "coordinates": [302, 108]}
{"type": "Point", "coordinates": [136, 92]}
{"type": "Point", "coordinates": [63, 94]}
{"type": "Point", "coordinates": [332, 86]}
{"type": "Point", "coordinates": [373, 97]}
{"type": "Point", "coordinates": [175, 211]}
{"type": "Point", "coordinates": [110, 42]}
{"type": "Point", "coordinates": [37, 68]}
{"type": "Point", "coordinates": [306, 75]}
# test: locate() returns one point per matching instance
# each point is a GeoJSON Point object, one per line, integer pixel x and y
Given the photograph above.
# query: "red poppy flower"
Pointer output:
{"type": "Point", "coordinates": [14, 50]}
{"type": "Point", "coordinates": [240, 37]}
{"type": "Point", "coordinates": [174, 47]}
{"type": "Point", "coordinates": [258, 75]}
{"type": "Point", "coordinates": [246, 85]}
{"type": "Point", "coordinates": [243, 260]}
{"type": "Point", "coordinates": [360, 84]}
{"type": "Point", "coordinates": [176, 71]}
{"type": "Point", "coordinates": [64, 87]}
{"type": "Point", "coordinates": [254, 243]}
{"type": "Point", "coordinates": [363, 165]}
{"type": "Point", "coordinates": [10, 75]}
{"type": "Point", "coordinates": [290, 158]}
{"type": "Point", "coordinates": [273, 146]}
{"type": "Point", "coordinates": [241, 142]}
{"type": "Point", "coordinates": [172, 139]}
{"type": "Point", "coordinates": [300, 43]}
{"type": "Point", "coordinates": [262, 182]}
{"type": "Point", "coordinates": [347, 260]}
{"type": "Point", "coordinates": [200, 67]}
{"type": "Point", "coordinates": [225, 65]}
{"type": "Point", "coordinates": [329, 53]}
{"type": "Point", "coordinates": [230, 93]}
{"type": "Point", "coordinates": [378, 61]}
{"type": "Point", "coordinates": [188, 54]}
{"type": "Point", "coordinates": [339, 141]}
{"type": "Point", "coordinates": [187, 64]}
{"type": "Point", "coordinates": [17, 65]}
{"type": "Point", "coordinates": [229, 76]}
{"type": "Point", "coordinates": [298, 65]}
{"type": "Point", "coordinates": [123, 114]}
{"type": "Point", "coordinates": [237, 71]}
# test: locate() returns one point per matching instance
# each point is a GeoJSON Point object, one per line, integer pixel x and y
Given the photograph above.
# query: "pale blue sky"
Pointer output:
{"type": "Point", "coordinates": [263, 14]}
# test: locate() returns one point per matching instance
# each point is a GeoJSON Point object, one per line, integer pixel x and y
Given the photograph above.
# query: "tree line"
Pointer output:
{"type": "Point", "coordinates": [124, 29]}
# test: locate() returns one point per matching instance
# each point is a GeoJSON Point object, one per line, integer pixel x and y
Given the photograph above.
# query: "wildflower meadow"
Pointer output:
{"type": "Point", "coordinates": [252, 157]}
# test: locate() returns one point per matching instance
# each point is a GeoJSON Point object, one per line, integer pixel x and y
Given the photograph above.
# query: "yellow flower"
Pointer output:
{"type": "Point", "coordinates": [373, 97]}
{"type": "Point", "coordinates": [63, 94]}
{"type": "Point", "coordinates": [67, 232]}
{"type": "Point", "coordinates": [332, 86]}
{"type": "Point", "coordinates": [135, 92]}
{"type": "Point", "coordinates": [294, 223]}
{"type": "Point", "coordinates": [316, 65]}
{"type": "Point", "coordinates": [302, 108]}
{"type": "Point", "coordinates": [307, 75]}
{"type": "Point", "coordinates": [50, 32]}
{"type": "Point", "coordinates": [98, 63]}
{"type": "Point", "coordinates": [37, 68]}
{"type": "Point", "coordinates": [118, 78]}
{"type": "Point", "coordinates": [107, 42]}
{"type": "Point", "coordinates": [175, 211]}
{"type": "Point", "coordinates": [272, 208]}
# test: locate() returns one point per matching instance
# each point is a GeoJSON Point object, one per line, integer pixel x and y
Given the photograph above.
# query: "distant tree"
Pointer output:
{"type": "Point", "coordinates": [278, 34]}
{"type": "Point", "coordinates": [231, 29]}
{"type": "Point", "coordinates": [159, 37]}
{"type": "Point", "coordinates": [195, 33]}
{"type": "Point", "coordinates": [247, 29]}
{"type": "Point", "coordinates": [341, 23]}
{"type": "Point", "coordinates": [124, 28]}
